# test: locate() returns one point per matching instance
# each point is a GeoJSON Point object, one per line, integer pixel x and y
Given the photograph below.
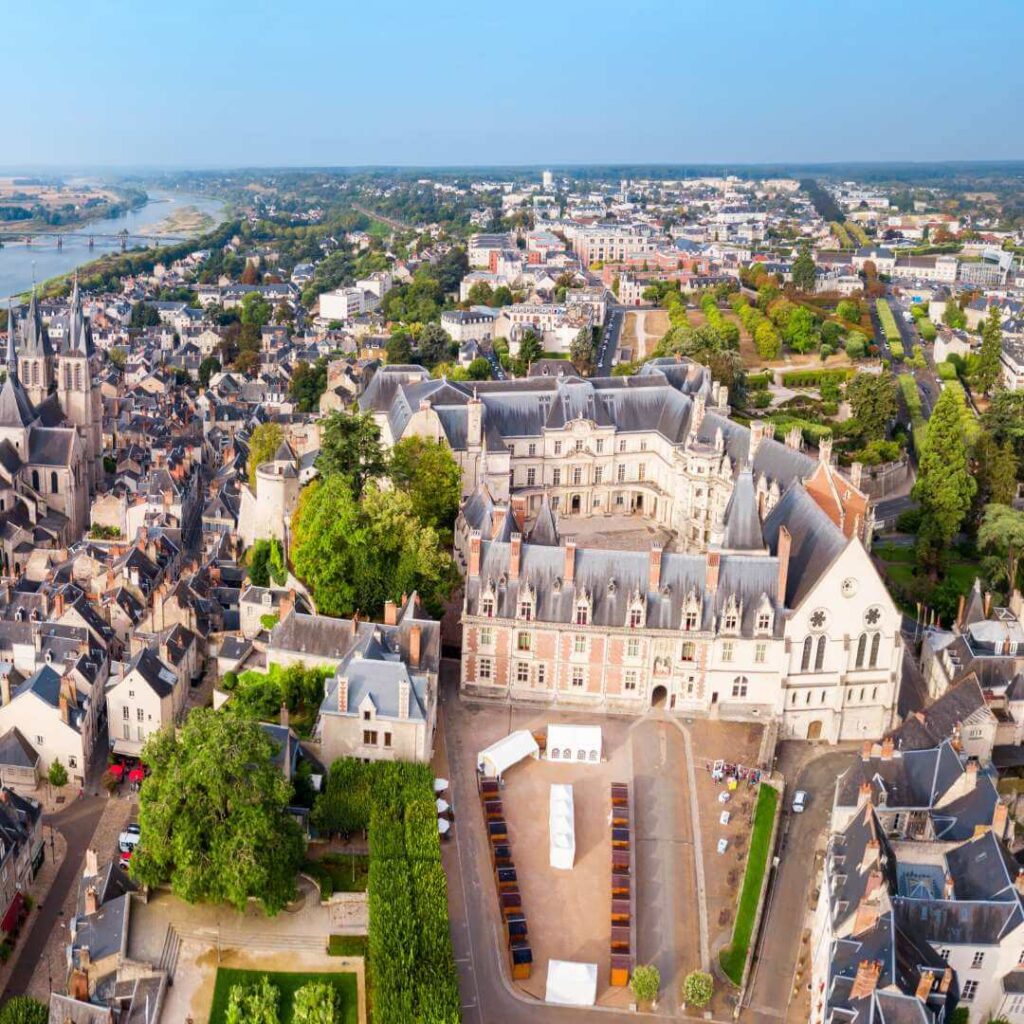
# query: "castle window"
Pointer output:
{"type": "Point", "coordinates": [760, 652]}
{"type": "Point", "coordinates": [526, 609]}
{"type": "Point", "coordinates": [805, 660]}
{"type": "Point", "coordinates": [764, 622]}
{"type": "Point", "coordinates": [739, 686]}
{"type": "Point", "coordinates": [597, 474]}
{"type": "Point", "coordinates": [819, 657]}
{"type": "Point", "coordinates": [556, 477]}
{"type": "Point", "coordinates": [690, 620]}
{"type": "Point", "coordinates": [689, 651]}
{"type": "Point", "coordinates": [636, 617]}
{"type": "Point", "coordinates": [523, 641]}
{"type": "Point", "coordinates": [35, 479]}
{"type": "Point", "coordinates": [487, 607]}
{"type": "Point", "coordinates": [875, 643]}
{"type": "Point", "coordinates": [582, 614]}
{"type": "Point", "coordinates": [633, 647]}
{"type": "Point", "coordinates": [53, 482]}
{"type": "Point", "coordinates": [579, 644]}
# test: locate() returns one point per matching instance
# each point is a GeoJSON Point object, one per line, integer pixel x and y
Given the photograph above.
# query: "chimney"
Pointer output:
{"type": "Point", "coordinates": [474, 421]}
{"type": "Point", "coordinates": [415, 644]}
{"type": "Point", "coordinates": [864, 792]}
{"type": "Point", "coordinates": [58, 604]}
{"type": "Point", "coordinates": [474, 553]}
{"type": "Point", "coordinates": [390, 613]}
{"type": "Point", "coordinates": [355, 623]}
{"type": "Point", "coordinates": [92, 865]}
{"type": "Point", "coordinates": [711, 568]}
{"type": "Point", "coordinates": [1000, 817]}
{"type": "Point", "coordinates": [960, 609]}
{"type": "Point", "coordinates": [887, 748]}
{"type": "Point", "coordinates": [870, 856]}
{"type": "Point", "coordinates": [756, 436]}
{"type": "Point", "coordinates": [654, 568]}
{"type": "Point", "coordinates": [971, 779]}
{"type": "Point", "coordinates": [515, 549]}
{"type": "Point", "coordinates": [698, 413]}
{"type": "Point", "coordinates": [785, 542]}
{"type": "Point", "coordinates": [84, 960]}
{"type": "Point", "coordinates": [825, 449]}
{"type": "Point", "coordinates": [865, 750]}
{"type": "Point", "coordinates": [92, 903]}
{"type": "Point", "coordinates": [403, 699]}
{"type": "Point", "coordinates": [64, 713]}
{"type": "Point", "coordinates": [499, 521]}
{"type": "Point", "coordinates": [864, 984]}
{"type": "Point", "coordinates": [569, 568]}
{"type": "Point", "coordinates": [284, 715]}
{"type": "Point", "coordinates": [988, 602]}
{"type": "Point", "coordinates": [856, 474]}
{"type": "Point", "coordinates": [343, 694]}
{"type": "Point", "coordinates": [924, 986]}
{"type": "Point", "coordinates": [947, 887]}
{"type": "Point", "coordinates": [5, 690]}
{"type": "Point", "coordinates": [286, 605]}
{"type": "Point", "coordinates": [947, 980]}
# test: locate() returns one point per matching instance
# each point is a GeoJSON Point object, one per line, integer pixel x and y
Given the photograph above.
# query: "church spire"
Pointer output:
{"type": "Point", "coordinates": [12, 356]}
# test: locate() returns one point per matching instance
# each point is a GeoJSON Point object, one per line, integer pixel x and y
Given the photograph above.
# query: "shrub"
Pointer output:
{"type": "Point", "coordinates": [58, 774]}
{"type": "Point", "coordinates": [856, 345]}
{"type": "Point", "coordinates": [762, 399]}
{"type": "Point", "coordinates": [758, 381]}
{"type": "Point", "coordinates": [698, 988]}
{"type": "Point", "coordinates": [928, 330]}
{"type": "Point", "coordinates": [897, 349]}
{"type": "Point", "coordinates": [909, 521]}
{"type": "Point", "coordinates": [24, 1010]}
{"type": "Point", "coordinates": [885, 317]}
{"type": "Point", "coordinates": [316, 1002]}
{"type": "Point", "coordinates": [229, 681]}
{"type": "Point", "coordinates": [645, 983]}
{"type": "Point", "coordinates": [346, 945]}
{"type": "Point", "coordinates": [254, 1004]}
{"type": "Point", "coordinates": [946, 371]}
{"type": "Point", "coordinates": [813, 378]}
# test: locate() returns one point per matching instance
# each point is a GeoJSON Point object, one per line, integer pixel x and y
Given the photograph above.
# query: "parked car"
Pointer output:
{"type": "Point", "coordinates": [129, 838]}
{"type": "Point", "coordinates": [799, 801]}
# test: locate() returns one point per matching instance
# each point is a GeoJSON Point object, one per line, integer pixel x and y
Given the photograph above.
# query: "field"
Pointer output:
{"type": "Point", "coordinates": [288, 983]}
{"type": "Point", "coordinates": [734, 957]}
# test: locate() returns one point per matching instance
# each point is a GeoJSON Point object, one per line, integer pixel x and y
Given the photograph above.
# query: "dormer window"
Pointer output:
{"type": "Point", "coordinates": [582, 613]}
{"type": "Point", "coordinates": [487, 607]}
{"type": "Point", "coordinates": [731, 616]}
{"type": "Point", "coordinates": [525, 610]}
{"type": "Point", "coordinates": [636, 616]}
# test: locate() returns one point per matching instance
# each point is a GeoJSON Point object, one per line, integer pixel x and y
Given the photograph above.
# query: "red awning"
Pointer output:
{"type": "Point", "coordinates": [13, 915]}
{"type": "Point", "coordinates": [136, 775]}
{"type": "Point", "coordinates": [117, 770]}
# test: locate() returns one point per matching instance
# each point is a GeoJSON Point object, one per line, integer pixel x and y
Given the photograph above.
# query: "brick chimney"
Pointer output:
{"type": "Point", "coordinates": [785, 542]}
{"type": "Point", "coordinates": [498, 521]}
{"type": "Point", "coordinates": [390, 613]}
{"type": "Point", "coordinates": [864, 793]}
{"type": "Point", "coordinates": [58, 604]}
{"type": "Point", "coordinates": [924, 986]}
{"type": "Point", "coordinates": [569, 568]}
{"type": "Point", "coordinates": [947, 887]}
{"type": "Point", "coordinates": [415, 645]}
{"type": "Point", "coordinates": [868, 972]}
{"type": "Point", "coordinates": [403, 699]}
{"type": "Point", "coordinates": [865, 750]}
{"type": "Point", "coordinates": [64, 712]}
{"type": "Point", "coordinates": [92, 902]}
{"type": "Point", "coordinates": [343, 694]}
{"type": "Point", "coordinates": [711, 568]}
{"type": "Point", "coordinates": [514, 552]}
{"type": "Point", "coordinates": [474, 553]}
{"type": "Point", "coordinates": [947, 980]}
{"type": "Point", "coordinates": [654, 568]}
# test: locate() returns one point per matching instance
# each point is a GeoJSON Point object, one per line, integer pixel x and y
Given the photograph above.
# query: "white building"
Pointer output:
{"type": "Point", "coordinates": [148, 697]}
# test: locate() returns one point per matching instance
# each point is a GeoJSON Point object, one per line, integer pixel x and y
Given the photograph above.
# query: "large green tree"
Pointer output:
{"type": "Point", "coordinates": [803, 270]}
{"type": "Point", "coordinates": [24, 1010]}
{"type": "Point", "coordinates": [1004, 419]}
{"type": "Point", "coordinates": [986, 372]}
{"type": "Point", "coordinates": [350, 447]}
{"type": "Point", "coordinates": [399, 348]}
{"type": "Point", "coordinates": [256, 311]}
{"type": "Point", "coordinates": [434, 345]}
{"type": "Point", "coordinates": [995, 469]}
{"type": "Point", "coordinates": [257, 1003]}
{"type": "Point", "coordinates": [945, 486]}
{"type": "Point", "coordinates": [317, 1002]}
{"type": "Point", "coordinates": [214, 815]}
{"type": "Point", "coordinates": [581, 351]}
{"type": "Point", "coordinates": [263, 444]}
{"type": "Point", "coordinates": [356, 552]}
{"type": "Point", "coordinates": [1002, 532]}
{"type": "Point", "coordinates": [427, 472]}
{"type": "Point", "coordinates": [872, 399]}
{"type": "Point", "coordinates": [953, 316]}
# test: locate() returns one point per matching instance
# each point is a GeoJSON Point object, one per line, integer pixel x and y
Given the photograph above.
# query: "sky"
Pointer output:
{"type": "Point", "coordinates": [220, 84]}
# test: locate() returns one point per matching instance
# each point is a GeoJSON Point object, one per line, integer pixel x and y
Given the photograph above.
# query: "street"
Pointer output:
{"type": "Point", "coordinates": [609, 341]}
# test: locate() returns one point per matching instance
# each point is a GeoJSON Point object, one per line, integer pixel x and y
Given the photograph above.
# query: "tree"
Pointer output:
{"type": "Point", "coordinates": [481, 294]}
{"type": "Point", "coordinates": [24, 1010]}
{"type": "Point", "coordinates": [581, 351]}
{"type": "Point", "coordinates": [849, 311]}
{"type": "Point", "coordinates": [479, 369]}
{"type": "Point", "coordinates": [995, 469]}
{"type": "Point", "coordinates": [308, 383]}
{"type": "Point", "coordinates": [317, 1002]}
{"type": "Point", "coordinates": [399, 349]}
{"type": "Point", "coordinates": [872, 399]}
{"type": "Point", "coordinates": [1002, 531]}
{"type": "Point", "coordinates": [144, 315]}
{"type": "Point", "coordinates": [214, 815]}
{"type": "Point", "coordinates": [58, 774]}
{"type": "Point", "coordinates": [986, 372]}
{"type": "Point", "coordinates": [944, 484]}
{"type": "Point", "coordinates": [253, 1004]}
{"type": "Point", "coordinates": [434, 344]}
{"type": "Point", "coordinates": [255, 311]}
{"type": "Point", "coordinates": [263, 444]}
{"type": "Point", "coordinates": [698, 988]}
{"type": "Point", "coordinates": [427, 472]}
{"type": "Point", "coordinates": [350, 447]}
{"type": "Point", "coordinates": [953, 315]}
{"type": "Point", "coordinates": [803, 270]}
{"type": "Point", "coordinates": [645, 983]}
{"type": "Point", "coordinates": [529, 352]}
{"type": "Point", "coordinates": [357, 552]}
{"type": "Point", "coordinates": [1004, 419]}
{"type": "Point", "coordinates": [207, 368]}
{"type": "Point", "coordinates": [767, 340]}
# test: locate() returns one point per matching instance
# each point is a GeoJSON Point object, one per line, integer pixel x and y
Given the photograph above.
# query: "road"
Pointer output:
{"type": "Point", "coordinates": [390, 221]}
{"type": "Point", "coordinates": [609, 340]}
{"type": "Point", "coordinates": [77, 824]}
{"type": "Point", "coordinates": [788, 896]}
{"type": "Point", "coordinates": [668, 932]}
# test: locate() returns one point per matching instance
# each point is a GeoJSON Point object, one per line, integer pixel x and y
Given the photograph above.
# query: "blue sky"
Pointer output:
{"type": "Point", "coordinates": [333, 82]}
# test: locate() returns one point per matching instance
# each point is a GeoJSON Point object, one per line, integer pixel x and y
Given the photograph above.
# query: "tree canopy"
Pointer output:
{"type": "Point", "coordinates": [1002, 531]}
{"type": "Point", "coordinates": [255, 1003]}
{"type": "Point", "coordinates": [426, 471]}
{"type": "Point", "coordinates": [872, 399]}
{"type": "Point", "coordinates": [581, 351]}
{"type": "Point", "coordinates": [350, 447]}
{"type": "Point", "coordinates": [24, 1010]}
{"type": "Point", "coordinates": [803, 270]}
{"type": "Point", "coordinates": [214, 815]}
{"type": "Point", "coordinates": [987, 369]}
{"type": "Point", "coordinates": [263, 445]}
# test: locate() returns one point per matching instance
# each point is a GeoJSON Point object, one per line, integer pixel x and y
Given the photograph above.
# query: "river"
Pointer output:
{"type": "Point", "coordinates": [21, 264]}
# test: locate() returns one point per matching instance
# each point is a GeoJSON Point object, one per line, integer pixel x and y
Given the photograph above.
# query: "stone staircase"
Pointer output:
{"type": "Point", "coordinates": [169, 954]}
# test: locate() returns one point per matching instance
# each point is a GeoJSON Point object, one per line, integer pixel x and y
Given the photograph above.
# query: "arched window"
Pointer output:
{"type": "Point", "coordinates": [805, 661]}
{"type": "Point", "coordinates": [875, 642]}
{"type": "Point", "coordinates": [819, 656]}
{"type": "Point", "coordinates": [862, 644]}
{"type": "Point", "coordinates": [581, 755]}
{"type": "Point", "coordinates": [53, 482]}
{"type": "Point", "coordinates": [35, 479]}
{"type": "Point", "coordinates": [554, 754]}
{"type": "Point", "coordinates": [593, 755]}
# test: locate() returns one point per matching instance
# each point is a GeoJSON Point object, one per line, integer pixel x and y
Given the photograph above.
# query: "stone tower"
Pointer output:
{"type": "Point", "coordinates": [35, 355]}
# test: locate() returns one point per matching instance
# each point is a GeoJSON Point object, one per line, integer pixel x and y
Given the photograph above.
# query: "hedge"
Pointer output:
{"type": "Point", "coordinates": [758, 381]}
{"type": "Point", "coordinates": [912, 397]}
{"type": "Point", "coordinates": [927, 329]}
{"type": "Point", "coordinates": [946, 371]}
{"type": "Point", "coordinates": [840, 232]}
{"type": "Point", "coordinates": [858, 233]}
{"type": "Point", "coordinates": [889, 326]}
{"type": "Point", "coordinates": [896, 348]}
{"type": "Point", "coordinates": [814, 378]}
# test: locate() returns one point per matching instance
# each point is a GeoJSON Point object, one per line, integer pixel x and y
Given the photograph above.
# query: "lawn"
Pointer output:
{"type": "Point", "coordinates": [287, 983]}
{"type": "Point", "coordinates": [734, 957]}
{"type": "Point", "coordinates": [339, 872]}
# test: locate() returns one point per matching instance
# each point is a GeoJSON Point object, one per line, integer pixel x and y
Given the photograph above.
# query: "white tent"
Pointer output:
{"type": "Point", "coordinates": [562, 824]}
{"type": "Point", "coordinates": [571, 984]}
{"type": "Point", "coordinates": [509, 750]}
{"type": "Point", "coordinates": [574, 743]}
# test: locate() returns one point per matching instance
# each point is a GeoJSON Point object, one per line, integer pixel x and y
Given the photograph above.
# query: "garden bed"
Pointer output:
{"type": "Point", "coordinates": [287, 983]}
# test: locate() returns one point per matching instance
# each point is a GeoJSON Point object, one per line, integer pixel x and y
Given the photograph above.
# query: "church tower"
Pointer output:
{"type": "Point", "coordinates": [77, 392]}
{"type": "Point", "coordinates": [35, 355]}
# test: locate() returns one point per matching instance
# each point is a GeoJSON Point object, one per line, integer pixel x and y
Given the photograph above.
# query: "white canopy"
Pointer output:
{"type": "Point", "coordinates": [574, 743]}
{"type": "Point", "coordinates": [561, 823]}
{"type": "Point", "coordinates": [509, 750]}
{"type": "Point", "coordinates": [571, 983]}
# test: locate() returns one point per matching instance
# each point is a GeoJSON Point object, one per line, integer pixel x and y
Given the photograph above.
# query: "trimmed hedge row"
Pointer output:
{"type": "Point", "coordinates": [814, 378]}
{"type": "Point", "coordinates": [840, 232]}
{"type": "Point", "coordinates": [928, 330]}
{"type": "Point", "coordinates": [888, 322]}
